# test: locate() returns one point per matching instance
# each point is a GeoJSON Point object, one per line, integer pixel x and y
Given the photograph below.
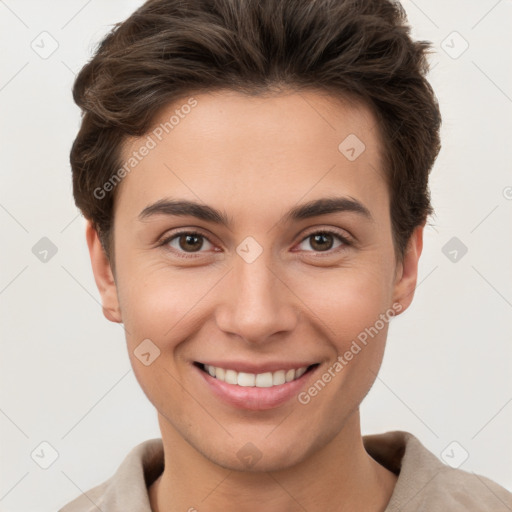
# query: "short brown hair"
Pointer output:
{"type": "Point", "coordinates": [349, 48]}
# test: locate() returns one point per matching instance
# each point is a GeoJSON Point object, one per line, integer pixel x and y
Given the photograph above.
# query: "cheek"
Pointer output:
{"type": "Point", "coordinates": [157, 307]}
{"type": "Point", "coordinates": [347, 302]}
{"type": "Point", "coordinates": [157, 303]}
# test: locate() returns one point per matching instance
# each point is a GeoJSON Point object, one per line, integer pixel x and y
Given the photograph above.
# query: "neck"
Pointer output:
{"type": "Point", "coordinates": [340, 476]}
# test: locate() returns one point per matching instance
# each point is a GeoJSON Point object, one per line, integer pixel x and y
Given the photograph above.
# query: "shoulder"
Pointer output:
{"type": "Point", "coordinates": [426, 483]}
{"type": "Point", "coordinates": [127, 488]}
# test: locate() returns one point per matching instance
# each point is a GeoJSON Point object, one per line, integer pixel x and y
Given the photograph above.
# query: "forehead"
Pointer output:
{"type": "Point", "coordinates": [255, 150]}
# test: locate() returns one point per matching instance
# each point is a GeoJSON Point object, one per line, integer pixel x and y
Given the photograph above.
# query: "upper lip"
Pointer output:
{"type": "Point", "coordinates": [248, 367]}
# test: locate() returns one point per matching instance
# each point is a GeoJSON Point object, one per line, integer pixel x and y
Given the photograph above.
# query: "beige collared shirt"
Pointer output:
{"type": "Point", "coordinates": [424, 483]}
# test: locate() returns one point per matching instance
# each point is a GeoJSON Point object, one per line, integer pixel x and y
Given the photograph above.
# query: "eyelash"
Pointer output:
{"type": "Point", "coordinates": [346, 242]}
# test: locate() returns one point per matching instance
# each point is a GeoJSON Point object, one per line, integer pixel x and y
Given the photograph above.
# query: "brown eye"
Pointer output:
{"type": "Point", "coordinates": [323, 241]}
{"type": "Point", "coordinates": [190, 242]}
{"type": "Point", "coordinates": [186, 242]}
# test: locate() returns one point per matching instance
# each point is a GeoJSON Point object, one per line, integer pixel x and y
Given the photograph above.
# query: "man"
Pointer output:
{"type": "Point", "coordinates": [255, 179]}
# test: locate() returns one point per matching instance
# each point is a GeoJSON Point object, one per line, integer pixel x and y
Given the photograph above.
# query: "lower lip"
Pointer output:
{"type": "Point", "coordinates": [254, 398]}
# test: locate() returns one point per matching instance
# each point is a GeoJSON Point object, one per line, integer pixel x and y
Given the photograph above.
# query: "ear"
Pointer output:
{"type": "Point", "coordinates": [407, 271]}
{"type": "Point", "coordinates": [103, 275]}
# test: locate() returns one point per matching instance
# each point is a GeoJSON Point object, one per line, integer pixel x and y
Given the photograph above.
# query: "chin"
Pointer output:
{"type": "Point", "coordinates": [261, 455]}
{"type": "Point", "coordinates": [275, 462]}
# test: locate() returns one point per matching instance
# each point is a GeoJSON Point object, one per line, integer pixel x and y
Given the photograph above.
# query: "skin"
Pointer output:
{"type": "Point", "coordinates": [256, 158]}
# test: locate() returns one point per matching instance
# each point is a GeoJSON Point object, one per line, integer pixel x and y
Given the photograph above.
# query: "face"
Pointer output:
{"type": "Point", "coordinates": [252, 240]}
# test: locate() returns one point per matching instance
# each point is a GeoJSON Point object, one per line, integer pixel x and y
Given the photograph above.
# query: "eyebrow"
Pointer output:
{"type": "Point", "coordinates": [308, 210]}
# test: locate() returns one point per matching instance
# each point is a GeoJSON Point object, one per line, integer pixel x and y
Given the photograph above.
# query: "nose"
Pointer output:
{"type": "Point", "coordinates": [257, 304]}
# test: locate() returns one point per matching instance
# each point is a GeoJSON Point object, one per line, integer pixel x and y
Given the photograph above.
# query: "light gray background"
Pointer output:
{"type": "Point", "coordinates": [65, 373]}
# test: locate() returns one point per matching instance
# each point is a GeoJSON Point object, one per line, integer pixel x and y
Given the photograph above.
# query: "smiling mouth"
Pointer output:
{"type": "Point", "coordinates": [259, 380]}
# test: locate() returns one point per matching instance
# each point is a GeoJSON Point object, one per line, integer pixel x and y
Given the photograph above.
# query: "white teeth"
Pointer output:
{"type": "Point", "coordinates": [260, 380]}
{"type": "Point", "coordinates": [246, 379]}
{"type": "Point", "coordinates": [231, 377]}
{"type": "Point", "coordinates": [264, 380]}
{"type": "Point", "coordinates": [278, 378]}
{"type": "Point", "coordinates": [300, 372]}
